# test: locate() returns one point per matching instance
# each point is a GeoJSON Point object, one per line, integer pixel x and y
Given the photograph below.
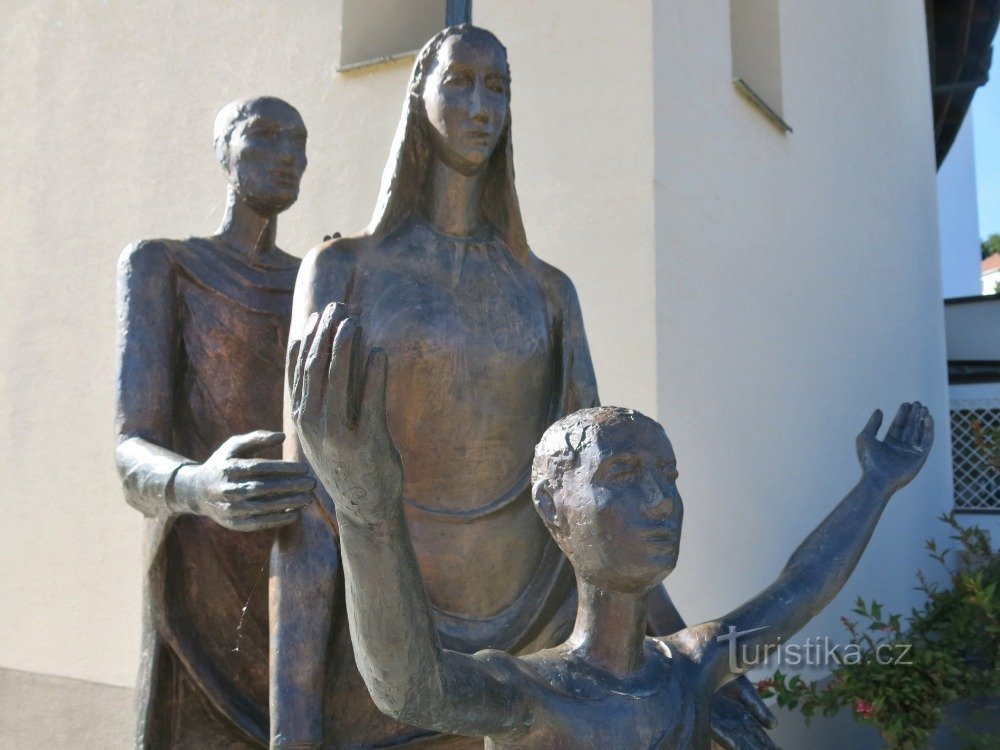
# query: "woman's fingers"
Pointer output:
{"type": "Point", "coordinates": [339, 376]}
{"type": "Point", "coordinates": [316, 361]}
{"type": "Point", "coordinates": [308, 332]}
{"type": "Point", "coordinates": [373, 398]}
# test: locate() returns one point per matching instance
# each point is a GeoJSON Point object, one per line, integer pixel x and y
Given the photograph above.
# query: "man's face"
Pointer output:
{"type": "Point", "coordinates": [267, 156]}
{"type": "Point", "coordinates": [621, 510]}
{"type": "Point", "coordinates": [466, 97]}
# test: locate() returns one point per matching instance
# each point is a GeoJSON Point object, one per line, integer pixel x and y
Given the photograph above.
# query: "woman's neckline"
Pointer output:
{"type": "Point", "coordinates": [485, 232]}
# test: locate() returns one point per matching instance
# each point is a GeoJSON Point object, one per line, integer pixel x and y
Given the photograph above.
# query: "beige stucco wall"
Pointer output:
{"type": "Point", "coordinates": [760, 293]}
{"type": "Point", "coordinates": [799, 288]}
{"type": "Point", "coordinates": [107, 118]}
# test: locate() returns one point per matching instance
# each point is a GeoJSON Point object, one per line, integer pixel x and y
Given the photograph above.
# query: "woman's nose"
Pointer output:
{"type": "Point", "coordinates": [477, 111]}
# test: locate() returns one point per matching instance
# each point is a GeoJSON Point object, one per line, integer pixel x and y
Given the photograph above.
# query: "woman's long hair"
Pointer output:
{"type": "Point", "coordinates": [405, 177]}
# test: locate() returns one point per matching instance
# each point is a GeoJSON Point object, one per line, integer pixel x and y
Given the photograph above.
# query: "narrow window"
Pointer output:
{"type": "Point", "coordinates": [373, 31]}
{"type": "Point", "coordinates": [755, 36]}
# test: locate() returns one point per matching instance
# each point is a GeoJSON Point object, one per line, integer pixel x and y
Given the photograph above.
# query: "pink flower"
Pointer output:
{"type": "Point", "coordinates": [866, 709]}
{"type": "Point", "coordinates": [765, 684]}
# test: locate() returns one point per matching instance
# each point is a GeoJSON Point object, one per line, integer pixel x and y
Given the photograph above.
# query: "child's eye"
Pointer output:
{"type": "Point", "coordinates": [622, 471]}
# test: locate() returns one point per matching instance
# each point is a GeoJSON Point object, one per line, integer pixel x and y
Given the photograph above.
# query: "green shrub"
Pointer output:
{"type": "Point", "coordinates": [902, 676]}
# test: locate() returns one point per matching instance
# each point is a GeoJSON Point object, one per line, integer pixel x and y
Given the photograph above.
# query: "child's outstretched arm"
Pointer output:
{"type": "Point", "coordinates": [821, 565]}
{"type": "Point", "coordinates": [338, 405]}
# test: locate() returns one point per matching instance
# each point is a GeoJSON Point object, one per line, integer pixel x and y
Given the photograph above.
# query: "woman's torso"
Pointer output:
{"type": "Point", "coordinates": [468, 331]}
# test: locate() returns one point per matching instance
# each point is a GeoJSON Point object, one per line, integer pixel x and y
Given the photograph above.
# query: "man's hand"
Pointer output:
{"type": "Point", "coordinates": [342, 423]}
{"type": "Point", "coordinates": [736, 726]}
{"type": "Point", "coordinates": [243, 493]}
{"type": "Point", "coordinates": [895, 461]}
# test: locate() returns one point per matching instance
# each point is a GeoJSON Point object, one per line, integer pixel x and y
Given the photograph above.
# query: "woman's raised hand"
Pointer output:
{"type": "Point", "coordinates": [338, 406]}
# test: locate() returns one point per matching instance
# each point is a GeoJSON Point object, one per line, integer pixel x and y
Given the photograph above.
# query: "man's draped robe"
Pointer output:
{"type": "Point", "coordinates": [202, 337]}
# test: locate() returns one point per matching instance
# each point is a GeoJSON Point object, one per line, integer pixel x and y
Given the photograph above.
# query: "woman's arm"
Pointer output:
{"type": "Point", "coordinates": [343, 429]}
{"type": "Point", "coordinates": [821, 565]}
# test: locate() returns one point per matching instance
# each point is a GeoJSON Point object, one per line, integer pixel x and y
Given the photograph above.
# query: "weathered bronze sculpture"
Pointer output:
{"type": "Point", "coordinates": [605, 488]}
{"type": "Point", "coordinates": [202, 327]}
{"type": "Point", "coordinates": [488, 349]}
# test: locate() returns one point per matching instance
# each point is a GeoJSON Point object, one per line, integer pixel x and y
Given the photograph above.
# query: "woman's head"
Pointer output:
{"type": "Point", "coordinates": [457, 110]}
{"type": "Point", "coordinates": [462, 85]}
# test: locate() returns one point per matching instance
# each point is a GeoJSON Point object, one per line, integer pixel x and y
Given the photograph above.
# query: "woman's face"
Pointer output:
{"type": "Point", "coordinates": [466, 98]}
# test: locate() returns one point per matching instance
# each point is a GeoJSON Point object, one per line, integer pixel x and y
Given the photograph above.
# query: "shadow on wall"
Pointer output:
{"type": "Point", "coordinates": [61, 714]}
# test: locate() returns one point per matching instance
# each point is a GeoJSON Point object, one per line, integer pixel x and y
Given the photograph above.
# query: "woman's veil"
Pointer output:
{"type": "Point", "coordinates": [404, 179]}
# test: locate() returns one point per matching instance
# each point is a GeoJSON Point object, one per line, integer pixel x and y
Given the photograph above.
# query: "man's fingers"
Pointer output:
{"type": "Point", "coordinates": [898, 423]}
{"type": "Point", "coordinates": [261, 522]}
{"type": "Point", "coordinates": [338, 381]}
{"type": "Point", "coordinates": [758, 709]}
{"type": "Point", "coordinates": [373, 396]}
{"type": "Point", "coordinates": [874, 422]}
{"type": "Point", "coordinates": [271, 488]}
{"type": "Point", "coordinates": [252, 468]}
{"type": "Point", "coordinates": [242, 446]}
{"type": "Point", "coordinates": [740, 733]}
{"type": "Point", "coordinates": [280, 504]}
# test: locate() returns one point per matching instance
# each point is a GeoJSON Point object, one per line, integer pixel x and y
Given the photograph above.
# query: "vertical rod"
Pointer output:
{"type": "Point", "coordinates": [458, 11]}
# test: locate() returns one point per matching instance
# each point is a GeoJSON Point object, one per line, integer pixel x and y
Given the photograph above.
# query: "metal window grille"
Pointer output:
{"type": "Point", "coordinates": [975, 437]}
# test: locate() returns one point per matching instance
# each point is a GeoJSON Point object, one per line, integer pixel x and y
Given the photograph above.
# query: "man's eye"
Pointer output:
{"type": "Point", "coordinates": [668, 470]}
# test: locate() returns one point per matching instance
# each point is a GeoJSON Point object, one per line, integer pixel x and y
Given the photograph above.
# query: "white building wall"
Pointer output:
{"type": "Point", "coordinates": [831, 299]}
{"type": "Point", "coordinates": [958, 218]}
{"type": "Point", "coordinates": [107, 124]}
{"type": "Point", "coordinates": [642, 173]}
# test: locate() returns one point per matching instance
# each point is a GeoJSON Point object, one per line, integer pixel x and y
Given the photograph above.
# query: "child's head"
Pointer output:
{"type": "Point", "coordinates": [604, 482]}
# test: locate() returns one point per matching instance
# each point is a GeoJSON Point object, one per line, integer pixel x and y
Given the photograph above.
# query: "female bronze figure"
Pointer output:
{"type": "Point", "coordinates": [487, 348]}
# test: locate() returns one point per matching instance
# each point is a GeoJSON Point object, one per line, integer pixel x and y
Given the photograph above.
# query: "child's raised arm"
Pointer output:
{"type": "Point", "coordinates": [339, 412]}
{"type": "Point", "coordinates": [821, 565]}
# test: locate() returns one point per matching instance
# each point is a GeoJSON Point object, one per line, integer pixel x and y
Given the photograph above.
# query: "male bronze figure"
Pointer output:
{"type": "Point", "coordinates": [202, 331]}
{"type": "Point", "coordinates": [604, 485]}
{"type": "Point", "coordinates": [488, 349]}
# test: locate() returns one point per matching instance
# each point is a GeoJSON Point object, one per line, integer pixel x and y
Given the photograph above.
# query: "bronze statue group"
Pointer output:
{"type": "Point", "coordinates": [456, 541]}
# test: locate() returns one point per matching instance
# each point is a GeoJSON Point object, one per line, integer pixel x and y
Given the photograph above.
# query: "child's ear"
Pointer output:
{"type": "Point", "coordinates": [541, 493]}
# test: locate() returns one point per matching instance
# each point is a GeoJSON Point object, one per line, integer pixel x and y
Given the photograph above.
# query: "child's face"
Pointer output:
{"type": "Point", "coordinates": [621, 510]}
